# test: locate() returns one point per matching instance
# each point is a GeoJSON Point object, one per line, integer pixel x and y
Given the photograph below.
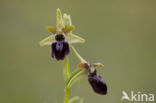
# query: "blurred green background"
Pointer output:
{"type": "Point", "coordinates": [119, 33]}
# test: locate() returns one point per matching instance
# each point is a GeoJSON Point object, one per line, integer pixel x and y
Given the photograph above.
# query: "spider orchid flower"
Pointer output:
{"type": "Point", "coordinates": [61, 37]}
{"type": "Point", "coordinates": [96, 82]}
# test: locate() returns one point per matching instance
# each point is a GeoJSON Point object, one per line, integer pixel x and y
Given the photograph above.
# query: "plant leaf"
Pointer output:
{"type": "Point", "coordinates": [66, 69]}
{"type": "Point", "coordinates": [72, 38]}
{"type": "Point", "coordinates": [81, 101]}
{"type": "Point", "coordinates": [76, 76]}
{"type": "Point", "coordinates": [48, 40]}
{"type": "Point", "coordinates": [74, 99]}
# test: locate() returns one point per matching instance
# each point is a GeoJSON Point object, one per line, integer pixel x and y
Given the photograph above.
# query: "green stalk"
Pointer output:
{"type": "Point", "coordinates": [68, 77]}
{"type": "Point", "coordinates": [66, 69]}
{"type": "Point", "coordinates": [66, 96]}
{"type": "Point", "coordinates": [66, 73]}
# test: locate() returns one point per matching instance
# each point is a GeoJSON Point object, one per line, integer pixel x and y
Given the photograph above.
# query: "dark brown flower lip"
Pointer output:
{"type": "Point", "coordinates": [97, 84]}
{"type": "Point", "coordinates": [59, 50]}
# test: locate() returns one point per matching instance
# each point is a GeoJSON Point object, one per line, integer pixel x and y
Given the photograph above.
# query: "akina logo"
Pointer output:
{"type": "Point", "coordinates": [140, 97]}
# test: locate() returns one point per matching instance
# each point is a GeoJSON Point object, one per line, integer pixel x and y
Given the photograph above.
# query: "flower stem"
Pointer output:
{"type": "Point", "coordinates": [67, 94]}
{"type": "Point", "coordinates": [77, 54]}
{"type": "Point", "coordinates": [66, 69]}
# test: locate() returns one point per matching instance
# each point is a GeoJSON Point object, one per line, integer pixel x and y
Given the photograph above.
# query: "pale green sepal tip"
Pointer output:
{"type": "Point", "coordinates": [48, 40]}
{"type": "Point", "coordinates": [59, 20]}
{"type": "Point", "coordinates": [59, 15]}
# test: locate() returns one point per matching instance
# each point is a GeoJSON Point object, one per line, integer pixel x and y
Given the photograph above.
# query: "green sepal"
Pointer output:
{"type": "Point", "coordinates": [48, 40]}
{"type": "Point", "coordinates": [72, 38]}
{"type": "Point", "coordinates": [97, 65]}
{"type": "Point", "coordinates": [59, 21]}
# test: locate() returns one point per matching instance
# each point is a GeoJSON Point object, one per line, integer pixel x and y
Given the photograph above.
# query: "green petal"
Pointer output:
{"type": "Point", "coordinates": [69, 28]}
{"type": "Point", "coordinates": [48, 40]}
{"type": "Point", "coordinates": [52, 30]}
{"type": "Point", "coordinates": [72, 38]}
{"type": "Point", "coordinates": [97, 65]}
{"type": "Point", "coordinates": [67, 20]}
